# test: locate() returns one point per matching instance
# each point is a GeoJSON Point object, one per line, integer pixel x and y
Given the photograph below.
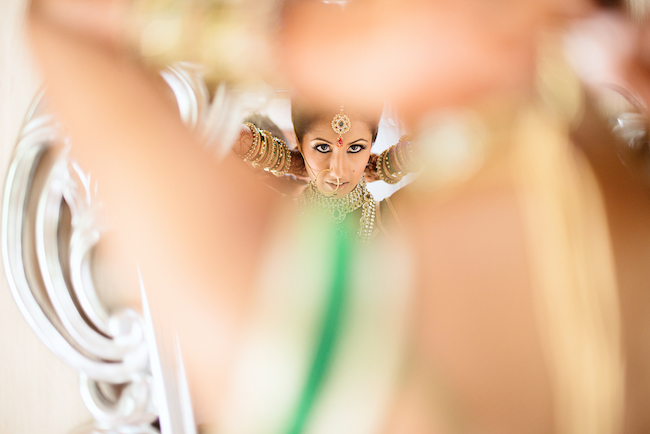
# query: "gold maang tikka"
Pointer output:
{"type": "Point", "coordinates": [341, 124]}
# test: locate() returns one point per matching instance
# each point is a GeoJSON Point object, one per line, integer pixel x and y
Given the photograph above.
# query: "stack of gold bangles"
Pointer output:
{"type": "Point", "coordinates": [268, 152]}
{"type": "Point", "coordinates": [395, 162]}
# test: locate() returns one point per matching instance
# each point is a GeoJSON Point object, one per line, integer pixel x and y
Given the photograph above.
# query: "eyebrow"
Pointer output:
{"type": "Point", "coordinates": [327, 141]}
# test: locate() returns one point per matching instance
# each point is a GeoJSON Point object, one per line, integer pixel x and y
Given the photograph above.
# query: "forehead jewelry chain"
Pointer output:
{"type": "Point", "coordinates": [341, 124]}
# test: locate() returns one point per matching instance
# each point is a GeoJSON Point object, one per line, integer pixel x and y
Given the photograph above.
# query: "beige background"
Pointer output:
{"type": "Point", "coordinates": [38, 393]}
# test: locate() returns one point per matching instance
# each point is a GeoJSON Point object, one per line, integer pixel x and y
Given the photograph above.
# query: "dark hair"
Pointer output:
{"type": "Point", "coordinates": [304, 116]}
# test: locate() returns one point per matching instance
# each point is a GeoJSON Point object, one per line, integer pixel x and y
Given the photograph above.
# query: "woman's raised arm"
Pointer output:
{"type": "Point", "coordinates": [193, 226]}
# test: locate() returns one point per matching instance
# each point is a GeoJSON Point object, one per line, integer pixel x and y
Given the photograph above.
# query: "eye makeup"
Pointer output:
{"type": "Point", "coordinates": [324, 147]}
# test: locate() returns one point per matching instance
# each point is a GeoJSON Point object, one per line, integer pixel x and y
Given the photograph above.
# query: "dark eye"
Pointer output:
{"type": "Point", "coordinates": [356, 148]}
{"type": "Point", "coordinates": [322, 148]}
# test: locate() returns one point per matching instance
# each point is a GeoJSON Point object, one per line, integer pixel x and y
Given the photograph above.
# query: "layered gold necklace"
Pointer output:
{"type": "Point", "coordinates": [336, 209]}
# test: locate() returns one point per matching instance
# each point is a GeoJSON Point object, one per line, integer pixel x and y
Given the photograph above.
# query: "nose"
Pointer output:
{"type": "Point", "coordinates": [338, 166]}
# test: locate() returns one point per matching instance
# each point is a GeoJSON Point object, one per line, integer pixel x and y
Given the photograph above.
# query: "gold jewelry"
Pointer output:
{"type": "Point", "coordinates": [283, 163]}
{"type": "Point", "coordinates": [336, 209]}
{"type": "Point", "coordinates": [404, 161]}
{"type": "Point", "coordinates": [391, 172]}
{"type": "Point", "coordinates": [383, 172]}
{"type": "Point", "coordinates": [256, 142]}
{"type": "Point", "coordinates": [261, 155]}
{"type": "Point", "coordinates": [367, 220]}
{"type": "Point", "coordinates": [279, 161]}
{"type": "Point", "coordinates": [392, 160]}
{"type": "Point", "coordinates": [268, 152]}
{"type": "Point", "coordinates": [341, 124]}
{"type": "Point", "coordinates": [388, 170]}
{"type": "Point", "coordinates": [271, 151]}
{"type": "Point", "coordinates": [399, 160]}
{"type": "Point", "coordinates": [408, 154]}
{"type": "Point", "coordinates": [287, 162]}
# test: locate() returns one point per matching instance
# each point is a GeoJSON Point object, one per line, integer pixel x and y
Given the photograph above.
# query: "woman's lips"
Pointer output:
{"type": "Point", "coordinates": [336, 186]}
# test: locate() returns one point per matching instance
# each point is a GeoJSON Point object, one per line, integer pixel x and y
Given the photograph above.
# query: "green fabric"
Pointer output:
{"type": "Point", "coordinates": [330, 329]}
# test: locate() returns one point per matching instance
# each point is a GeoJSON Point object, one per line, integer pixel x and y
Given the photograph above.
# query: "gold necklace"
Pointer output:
{"type": "Point", "coordinates": [336, 209]}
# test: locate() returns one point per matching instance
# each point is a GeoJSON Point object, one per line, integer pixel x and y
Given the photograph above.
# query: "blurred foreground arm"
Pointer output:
{"type": "Point", "coordinates": [193, 226]}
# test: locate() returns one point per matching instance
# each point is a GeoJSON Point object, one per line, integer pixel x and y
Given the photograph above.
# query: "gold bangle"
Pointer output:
{"type": "Point", "coordinates": [261, 155]}
{"type": "Point", "coordinates": [280, 157]}
{"type": "Point", "coordinates": [271, 152]}
{"type": "Point", "coordinates": [256, 142]}
{"type": "Point", "coordinates": [287, 167]}
{"type": "Point", "coordinates": [388, 172]}
{"type": "Point", "coordinates": [392, 173]}
{"type": "Point", "coordinates": [405, 156]}
{"type": "Point", "coordinates": [398, 162]}
{"type": "Point", "coordinates": [286, 164]}
{"type": "Point", "coordinates": [381, 169]}
{"type": "Point", "coordinates": [380, 172]}
{"type": "Point", "coordinates": [284, 151]}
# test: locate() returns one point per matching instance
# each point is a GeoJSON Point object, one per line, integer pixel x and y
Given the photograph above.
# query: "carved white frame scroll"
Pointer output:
{"type": "Point", "coordinates": [50, 223]}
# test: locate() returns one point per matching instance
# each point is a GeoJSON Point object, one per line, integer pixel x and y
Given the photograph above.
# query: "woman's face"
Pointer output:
{"type": "Point", "coordinates": [336, 170]}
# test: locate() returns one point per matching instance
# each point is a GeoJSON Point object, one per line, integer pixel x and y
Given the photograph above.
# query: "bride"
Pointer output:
{"type": "Point", "coordinates": [334, 151]}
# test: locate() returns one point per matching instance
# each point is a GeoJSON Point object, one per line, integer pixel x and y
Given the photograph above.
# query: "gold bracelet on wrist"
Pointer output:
{"type": "Point", "coordinates": [271, 152]}
{"type": "Point", "coordinates": [284, 164]}
{"type": "Point", "coordinates": [382, 170]}
{"type": "Point", "coordinates": [397, 161]}
{"type": "Point", "coordinates": [279, 160]}
{"type": "Point", "coordinates": [261, 155]}
{"type": "Point", "coordinates": [256, 142]}
{"type": "Point", "coordinates": [268, 152]}
{"type": "Point", "coordinates": [282, 147]}
{"type": "Point", "coordinates": [392, 172]}
{"type": "Point", "coordinates": [388, 171]}
{"type": "Point", "coordinates": [399, 156]}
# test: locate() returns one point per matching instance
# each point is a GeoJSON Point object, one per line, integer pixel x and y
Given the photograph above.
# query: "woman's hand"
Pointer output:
{"type": "Point", "coordinates": [244, 142]}
{"type": "Point", "coordinates": [370, 173]}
